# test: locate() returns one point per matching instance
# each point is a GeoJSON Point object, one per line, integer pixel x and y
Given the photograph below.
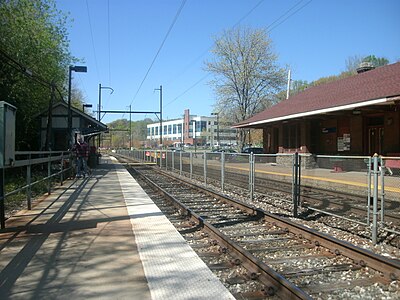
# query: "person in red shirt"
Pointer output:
{"type": "Point", "coordinates": [82, 153]}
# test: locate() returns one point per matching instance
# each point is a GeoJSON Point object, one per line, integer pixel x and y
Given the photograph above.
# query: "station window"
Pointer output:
{"type": "Point", "coordinates": [179, 128]}
{"type": "Point", "coordinates": [169, 129]}
{"type": "Point", "coordinates": [157, 130]}
{"type": "Point", "coordinates": [148, 131]}
{"type": "Point", "coordinates": [165, 129]}
{"type": "Point", "coordinates": [174, 129]}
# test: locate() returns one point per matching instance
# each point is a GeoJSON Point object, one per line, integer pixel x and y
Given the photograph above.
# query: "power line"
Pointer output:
{"type": "Point", "coordinates": [210, 47]}
{"type": "Point", "coordinates": [248, 13]}
{"type": "Point", "coordinates": [293, 13]}
{"type": "Point", "coordinates": [27, 72]}
{"type": "Point", "coordinates": [109, 42]}
{"type": "Point", "coordinates": [159, 49]}
{"type": "Point", "coordinates": [280, 17]}
{"type": "Point", "coordinates": [91, 34]}
{"type": "Point", "coordinates": [188, 89]}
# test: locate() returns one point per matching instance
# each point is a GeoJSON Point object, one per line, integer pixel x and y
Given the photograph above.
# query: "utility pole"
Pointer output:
{"type": "Point", "coordinates": [161, 129]}
{"type": "Point", "coordinates": [99, 107]}
{"type": "Point", "coordinates": [130, 127]}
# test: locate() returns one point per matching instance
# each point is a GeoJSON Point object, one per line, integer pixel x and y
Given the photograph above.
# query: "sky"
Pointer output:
{"type": "Point", "coordinates": [135, 47]}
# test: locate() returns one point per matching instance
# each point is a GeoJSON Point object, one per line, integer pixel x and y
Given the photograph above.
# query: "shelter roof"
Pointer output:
{"type": "Point", "coordinates": [378, 86]}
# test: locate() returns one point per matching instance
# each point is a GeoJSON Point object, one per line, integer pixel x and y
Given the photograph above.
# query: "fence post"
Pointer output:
{"type": "Point", "coordinates": [295, 184]}
{"type": "Point", "coordinates": [180, 163]}
{"type": "Point", "coordinates": [2, 200]}
{"type": "Point", "coordinates": [298, 181]}
{"type": "Point", "coordinates": [375, 203]}
{"type": "Point", "coordinates": [191, 165]}
{"type": "Point", "coordinates": [166, 160]}
{"type": "Point", "coordinates": [369, 196]}
{"type": "Point", "coordinates": [222, 170]}
{"type": "Point", "coordinates": [28, 183]}
{"type": "Point", "coordinates": [251, 178]}
{"type": "Point", "coordinates": [49, 175]}
{"type": "Point", "coordinates": [382, 171]}
{"type": "Point", "coordinates": [172, 161]}
{"type": "Point", "coordinates": [205, 167]}
{"type": "Point", "coordinates": [62, 169]}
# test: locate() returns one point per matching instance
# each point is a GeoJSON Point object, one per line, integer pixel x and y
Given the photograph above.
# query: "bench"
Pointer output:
{"type": "Point", "coordinates": [392, 163]}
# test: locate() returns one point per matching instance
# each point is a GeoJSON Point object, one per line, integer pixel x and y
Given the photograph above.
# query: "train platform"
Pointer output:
{"type": "Point", "coordinates": [100, 237]}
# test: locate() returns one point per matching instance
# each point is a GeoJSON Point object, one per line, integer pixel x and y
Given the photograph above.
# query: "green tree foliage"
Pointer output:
{"type": "Point", "coordinates": [120, 132]}
{"type": "Point", "coordinates": [376, 61]}
{"type": "Point", "coordinates": [246, 74]}
{"type": "Point", "coordinates": [352, 63]}
{"type": "Point", "coordinates": [32, 35]}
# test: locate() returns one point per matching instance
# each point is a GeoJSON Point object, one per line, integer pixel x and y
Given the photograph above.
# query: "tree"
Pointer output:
{"type": "Point", "coordinates": [120, 129]}
{"type": "Point", "coordinates": [353, 62]}
{"type": "Point", "coordinates": [33, 37]}
{"type": "Point", "coordinates": [246, 74]}
{"type": "Point", "coordinates": [376, 61]}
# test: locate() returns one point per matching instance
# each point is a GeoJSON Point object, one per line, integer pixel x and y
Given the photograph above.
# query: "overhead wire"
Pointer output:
{"type": "Point", "coordinates": [108, 97]}
{"type": "Point", "coordinates": [206, 51]}
{"type": "Point", "coordinates": [210, 47]}
{"type": "Point", "coordinates": [297, 10]}
{"type": "Point", "coordinates": [109, 42]}
{"type": "Point", "coordinates": [280, 17]}
{"type": "Point", "coordinates": [29, 73]}
{"type": "Point", "coordinates": [284, 14]}
{"type": "Point", "coordinates": [93, 46]}
{"type": "Point", "coordinates": [159, 49]}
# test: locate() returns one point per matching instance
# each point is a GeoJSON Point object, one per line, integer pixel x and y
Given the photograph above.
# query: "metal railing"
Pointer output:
{"type": "Point", "coordinates": [57, 163]}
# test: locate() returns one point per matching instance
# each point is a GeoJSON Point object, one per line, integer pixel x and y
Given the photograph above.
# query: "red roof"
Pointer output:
{"type": "Point", "coordinates": [382, 82]}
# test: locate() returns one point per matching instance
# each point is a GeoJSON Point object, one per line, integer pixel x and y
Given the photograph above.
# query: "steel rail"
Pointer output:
{"type": "Point", "coordinates": [390, 268]}
{"type": "Point", "coordinates": [274, 282]}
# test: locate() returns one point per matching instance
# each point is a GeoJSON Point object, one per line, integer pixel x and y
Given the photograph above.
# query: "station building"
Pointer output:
{"type": "Point", "coordinates": [358, 115]}
{"type": "Point", "coordinates": [55, 128]}
{"type": "Point", "coordinates": [190, 130]}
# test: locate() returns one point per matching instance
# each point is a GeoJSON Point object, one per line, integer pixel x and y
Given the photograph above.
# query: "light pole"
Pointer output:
{"type": "Point", "coordinates": [81, 69]}
{"type": "Point", "coordinates": [86, 105]}
{"type": "Point", "coordinates": [217, 114]}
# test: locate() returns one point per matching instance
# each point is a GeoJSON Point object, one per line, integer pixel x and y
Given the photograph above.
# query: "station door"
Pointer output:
{"type": "Point", "coordinates": [375, 140]}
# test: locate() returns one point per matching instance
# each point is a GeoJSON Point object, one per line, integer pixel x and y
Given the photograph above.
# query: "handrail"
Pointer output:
{"type": "Point", "coordinates": [48, 157]}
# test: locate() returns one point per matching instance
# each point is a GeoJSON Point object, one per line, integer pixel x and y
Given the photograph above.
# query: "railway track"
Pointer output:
{"type": "Point", "coordinates": [277, 256]}
{"type": "Point", "coordinates": [339, 202]}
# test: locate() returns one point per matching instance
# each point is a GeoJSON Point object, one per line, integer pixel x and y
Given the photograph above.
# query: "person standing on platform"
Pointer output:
{"type": "Point", "coordinates": [81, 150]}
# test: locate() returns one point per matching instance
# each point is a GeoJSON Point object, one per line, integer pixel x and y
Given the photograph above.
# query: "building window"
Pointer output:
{"type": "Point", "coordinates": [157, 130]}
{"type": "Point", "coordinates": [174, 129]}
{"type": "Point", "coordinates": [148, 131]}
{"type": "Point", "coordinates": [165, 129]}
{"type": "Point", "coordinates": [179, 128]}
{"type": "Point", "coordinates": [169, 129]}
